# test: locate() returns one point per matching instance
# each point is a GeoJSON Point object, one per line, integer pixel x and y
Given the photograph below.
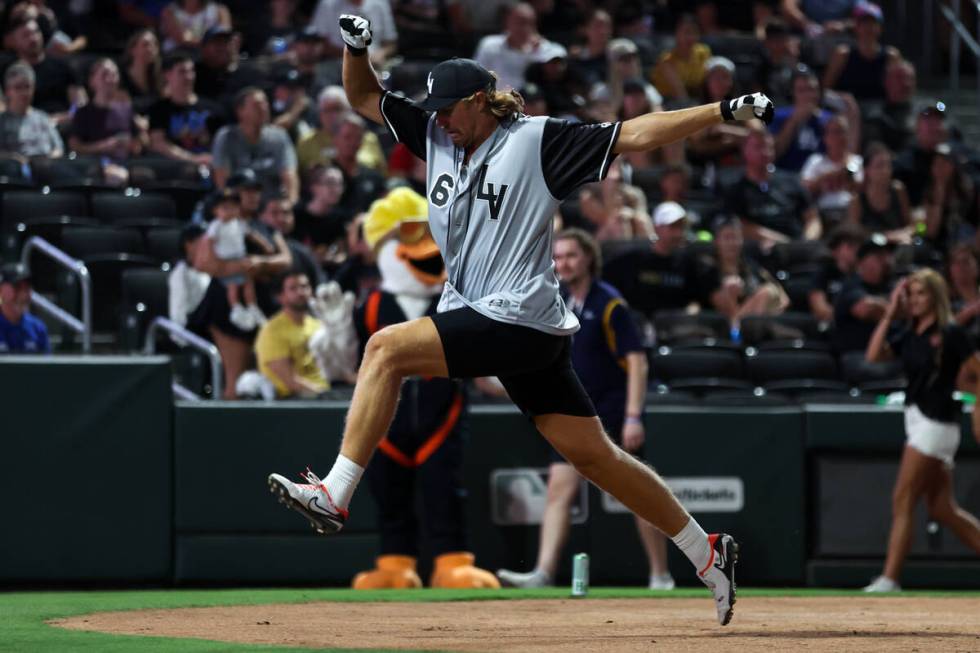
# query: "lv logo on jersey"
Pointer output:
{"type": "Point", "coordinates": [494, 200]}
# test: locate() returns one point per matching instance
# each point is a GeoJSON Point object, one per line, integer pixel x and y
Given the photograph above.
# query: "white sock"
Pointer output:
{"type": "Point", "coordinates": [693, 541]}
{"type": "Point", "coordinates": [342, 480]}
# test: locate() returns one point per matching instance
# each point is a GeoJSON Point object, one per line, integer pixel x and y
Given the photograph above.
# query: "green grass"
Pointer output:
{"type": "Point", "coordinates": [22, 614]}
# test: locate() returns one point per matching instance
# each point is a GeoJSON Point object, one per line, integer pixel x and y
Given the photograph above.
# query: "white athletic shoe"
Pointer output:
{"type": "Point", "coordinates": [312, 500]}
{"type": "Point", "coordinates": [527, 580]}
{"type": "Point", "coordinates": [719, 574]}
{"type": "Point", "coordinates": [662, 582]}
{"type": "Point", "coordinates": [242, 318]}
{"type": "Point", "coordinates": [882, 584]}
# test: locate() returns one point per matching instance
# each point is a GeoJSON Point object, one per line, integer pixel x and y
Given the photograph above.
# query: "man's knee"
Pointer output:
{"type": "Point", "coordinates": [382, 349]}
{"type": "Point", "coordinates": [596, 454]}
{"type": "Point", "coordinates": [563, 482]}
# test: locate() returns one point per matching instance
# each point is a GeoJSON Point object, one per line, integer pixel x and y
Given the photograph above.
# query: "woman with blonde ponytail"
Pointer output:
{"type": "Point", "coordinates": [935, 352]}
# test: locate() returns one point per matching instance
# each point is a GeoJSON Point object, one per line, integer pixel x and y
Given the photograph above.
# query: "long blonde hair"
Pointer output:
{"type": "Point", "coordinates": [502, 104]}
{"type": "Point", "coordinates": [935, 287]}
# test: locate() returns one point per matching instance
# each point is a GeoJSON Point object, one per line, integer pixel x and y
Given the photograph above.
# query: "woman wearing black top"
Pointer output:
{"type": "Point", "coordinates": [934, 351]}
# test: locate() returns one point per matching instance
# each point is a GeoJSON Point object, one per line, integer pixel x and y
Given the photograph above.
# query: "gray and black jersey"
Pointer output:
{"type": "Point", "coordinates": [492, 216]}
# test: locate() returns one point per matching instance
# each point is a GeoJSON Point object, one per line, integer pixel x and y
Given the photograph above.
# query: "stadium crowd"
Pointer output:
{"type": "Point", "coordinates": [748, 256]}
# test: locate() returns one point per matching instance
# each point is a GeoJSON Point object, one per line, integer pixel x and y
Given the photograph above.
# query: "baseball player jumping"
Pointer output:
{"type": "Point", "coordinates": [494, 180]}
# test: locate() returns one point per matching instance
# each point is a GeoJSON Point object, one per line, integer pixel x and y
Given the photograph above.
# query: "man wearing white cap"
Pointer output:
{"type": "Point", "coordinates": [661, 277]}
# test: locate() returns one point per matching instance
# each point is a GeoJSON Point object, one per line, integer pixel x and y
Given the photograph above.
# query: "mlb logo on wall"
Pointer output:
{"type": "Point", "coordinates": [518, 496]}
{"type": "Point", "coordinates": [697, 494]}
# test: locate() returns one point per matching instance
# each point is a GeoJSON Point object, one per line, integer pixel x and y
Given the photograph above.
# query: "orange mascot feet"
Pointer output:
{"type": "Point", "coordinates": [391, 572]}
{"type": "Point", "coordinates": [457, 570]}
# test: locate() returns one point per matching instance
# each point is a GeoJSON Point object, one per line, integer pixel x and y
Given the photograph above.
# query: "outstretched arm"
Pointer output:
{"type": "Point", "coordinates": [653, 130]}
{"type": "Point", "coordinates": [360, 81]}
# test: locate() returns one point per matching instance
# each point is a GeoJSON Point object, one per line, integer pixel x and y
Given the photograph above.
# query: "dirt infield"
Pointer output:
{"type": "Point", "coordinates": [601, 626]}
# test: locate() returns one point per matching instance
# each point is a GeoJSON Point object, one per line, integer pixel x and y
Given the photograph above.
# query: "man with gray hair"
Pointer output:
{"type": "Point", "coordinates": [318, 148]}
{"type": "Point", "coordinates": [24, 130]}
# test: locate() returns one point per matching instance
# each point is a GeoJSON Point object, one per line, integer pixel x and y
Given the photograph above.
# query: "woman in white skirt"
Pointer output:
{"type": "Point", "coordinates": [934, 352]}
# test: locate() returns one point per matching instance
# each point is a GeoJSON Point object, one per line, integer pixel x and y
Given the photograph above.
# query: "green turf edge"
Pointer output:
{"type": "Point", "coordinates": [23, 614]}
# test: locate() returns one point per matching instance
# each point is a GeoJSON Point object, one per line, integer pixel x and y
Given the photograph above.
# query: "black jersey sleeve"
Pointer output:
{"type": "Point", "coordinates": [573, 154]}
{"type": "Point", "coordinates": [406, 122]}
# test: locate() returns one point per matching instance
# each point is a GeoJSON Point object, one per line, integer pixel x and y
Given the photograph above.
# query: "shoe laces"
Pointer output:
{"type": "Point", "coordinates": [311, 478]}
{"type": "Point", "coordinates": [317, 484]}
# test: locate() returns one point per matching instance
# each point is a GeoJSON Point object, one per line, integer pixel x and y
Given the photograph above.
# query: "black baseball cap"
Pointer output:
{"type": "Point", "coordinates": [937, 109]}
{"type": "Point", "coordinates": [308, 33]}
{"type": "Point", "coordinates": [453, 80]}
{"type": "Point", "coordinates": [216, 32]}
{"type": "Point", "coordinates": [244, 178]}
{"type": "Point", "coordinates": [14, 273]}
{"type": "Point", "coordinates": [875, 243]}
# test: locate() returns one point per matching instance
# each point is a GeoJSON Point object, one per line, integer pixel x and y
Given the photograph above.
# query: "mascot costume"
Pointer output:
{"type": "Point", "coordinates": [423, 448]}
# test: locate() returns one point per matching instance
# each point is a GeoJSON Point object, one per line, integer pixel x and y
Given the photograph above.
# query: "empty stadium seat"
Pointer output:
{"type": "Point", "coordinates": [158, 169]}
{"type": "Point", "coordinates": [798, 288]}
{"type": "Point", "coordinates": [50, 229]}
{"type": "Point", "coordinates": [856, 370]}
{"type": "Point", "coordinates": [112, 207]}
{"type": "Point", "coordinates": [163, 244]}
{"type": "Point", "coordinates": [754, 398]}
{"type": "Point", "coordinates": [185, 194]}
{"type": "Point", "coordinates": [678, 325]}
{"type": "Point", "coordinates": [807, 387]}
{"type": "Point", "coordinates": [768, 366]}
{"type": "Point", "coordinates": [670, 365]}
{"type": "Point", "coordinates": [83, 242]}
{"type": "Point", "coordinates": [66, 169]}
{"type": "Point", "coordinates": [143, 297]}
{"type": "Point", "coordinates": [700, 385]}
{"type": "Point", "coordinates": [791, 325]}
{"type": "Point", "coordinates": [884, 386]}
{"type": "Point", "coordinates": [106, 272]}
{"type": "Point", "coordinates": [19, 205]}
{"type": "Point", "coordinates": [798, 253]}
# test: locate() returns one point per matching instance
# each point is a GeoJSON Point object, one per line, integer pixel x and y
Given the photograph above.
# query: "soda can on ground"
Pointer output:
{"type": "Point", "coordinates": [580, 574]}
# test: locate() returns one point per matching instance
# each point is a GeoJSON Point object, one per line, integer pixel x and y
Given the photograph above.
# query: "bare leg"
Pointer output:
{"type": "Point", "coordinates": [583, 443]}
{"type": "Point", "coordinates": [914, 475]}
{"type": "Point", "coordinates": [248, 292]}
{"type": "Point", "coordinates": [944, 509]}
{"type": "Point", "coordinates": [232, 291]}
{"type": "Point", "coordinates": [563, 483]}
{"type": "Point", "coordinates": [234, 359]}
{"type": "Point", "coordinates": [654, 545]}
{"type": "Point", "coordinates": [406, 349]}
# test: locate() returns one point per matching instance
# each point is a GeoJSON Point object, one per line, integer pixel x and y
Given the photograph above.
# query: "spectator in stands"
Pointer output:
{"type": "Point", "coordinates": [318, 149]}
{"type": "Point", "coordinates": [306, 51]}
{"type": "Point", "coordinates": [679, 72]}
{"type": "Point", "coordinates": [636, 102]}
{"type": "Point", "coordinates": [182, 125]}
{"type": "Point", "coordinates": [882, 203]}
{"type": "Point", "coordinates": [219, 73]}
{"type": "Point", "coordinates": [860, 70]}
{"type": "Point", "coordinates": [227, 233]}
{"type": "Point", "coordinates": [799, 128]}
{"type": "Point", "coordinates": [321, 223]}
{"type": "Point", "coordinates": [608, 355]}
{"type": "Point", "coordinates": [773, 205]}
{"type": "Point", "coordinates": [289, 102]}
{"type": "Point", "coordinates": [56, 87]}
{"type": "Point", "coordinates": [661, 277]}
{"type": "Point", "coordinates": [24, 130]}
{"type": "Point", "coordinates": [183, 23]}
{"type": "Point", "coordinates": [935, 352]}
{"type": "Point", "coordinates": [718, 144]}
{"type": "Point", "coordinates": [623, 63]}
{"type": "Point", "coordinates": [893, 121]}
{"type": "Point", "coordinates": [276, 220]}
{"type": "Point", "coordinates": [615, 209]}
{"type": "Point", "coordinates": [186, 284]}
{"type": "Point", "coordinates": [963, 273]}
{"type": "Point", "coordinates": [426, 24]}
{"type": "Point", "coordinates": [913, 165]}
{"type": "Point", "coordinates": [20, 331]}
{"type": "Point", "coordinates": [141, 73]}
{"type": "Point", "coordinates": [814, 17]}
{"type": "Point", "coordinates": [254, 143]}
{"type": "Point", "coordinates": [141, 13]}
{"type": "Point", "coordinates": [106, 126]}
{"type": "Point", "coordinates": [282, 347]}
{"type": "Point", "coordinates": [590, 58]}
{"type": "Point", "coordinates": [57, 43]}
{"type": "Point", "coordinates": [509, 54]}
{"type": "Point", "coordinates": [249, 190]}
{"type": "Point", "coordinates": [563, 87]}
{"type": "Point", "coordinates": [833, 177]}
{"type": "Point", "coordinates": [780, 57]}
{"type": "Point", "coordinates": [273, 31]}
{"type": "Point", "coordinates": [362, 185]}
{"type": "Point", "coordinates": [950, 200]}
{"type": "Point", "coordinates": [675, 183]}
{"type": "Point", "coordinates": [843, 243]}
{"type": "Point", "coordinates": [384, 34]}
{"type": "Point", "coordinates": [746, 287]}
{"type": "Point", "coordinates": [863, 298]}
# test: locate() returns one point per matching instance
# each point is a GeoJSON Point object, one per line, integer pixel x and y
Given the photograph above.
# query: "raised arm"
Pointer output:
{"type": "Point", "coordinates": [360, 81]}
{"type": "Point", "coordinates": [653, 130]}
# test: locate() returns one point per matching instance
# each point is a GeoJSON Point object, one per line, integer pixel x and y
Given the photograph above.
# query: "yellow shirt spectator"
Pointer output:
{"type": "Point", "coordinates": [282, 340]}
{"type": "Point", "coordinates": [317, 149]}
{"type": "Point", "coordinates": [689, 71]}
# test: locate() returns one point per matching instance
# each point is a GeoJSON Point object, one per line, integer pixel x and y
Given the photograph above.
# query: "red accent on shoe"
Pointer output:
{"type": "Point", "coordinates": [343, 513]}
{"type": "Point", "coordinates": [711, 544]}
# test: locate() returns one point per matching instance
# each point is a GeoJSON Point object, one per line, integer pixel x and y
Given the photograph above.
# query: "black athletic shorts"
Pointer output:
{"type": "Point", "coordinates": [535, 367]}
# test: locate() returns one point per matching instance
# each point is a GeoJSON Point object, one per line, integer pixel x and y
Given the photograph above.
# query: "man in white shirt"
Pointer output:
{"type": "Point", "coordinates": [385, 35]}
{"type": "Point", "coordinates": [509, 54]}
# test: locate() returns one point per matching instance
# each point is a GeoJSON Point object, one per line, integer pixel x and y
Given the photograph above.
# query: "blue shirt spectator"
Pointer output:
{"type": "Point", "coordinates": [20, 332]}
{"type": "Point", "coordinates": [808, 138]}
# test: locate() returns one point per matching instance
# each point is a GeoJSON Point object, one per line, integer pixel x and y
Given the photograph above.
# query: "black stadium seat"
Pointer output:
{"type": "Point", "coordinates": [670, 365]}
{"type": "Point", "coordinates": [767, 366]}
{"type": "Point", "coordinates": [112, 207]}
{"type": "Point", "coordinates": [106, 271]}
{"type": "Point", "coordinates": [18, 205]}
{"type": "Point", "coordinates": [144, 297]}
{"type": "Point", "coordinates": [791, 325]}
{"type": "Point", "coordinates": [163, 244]}
{"type": "Point", "coordinates": [672, 326]}
{"type": "Point", "coordinates": [66, 170]}
{"type": "Point", "coordinates": [50, 229]}
{"type": "Point", "coordinates": [83, 242]}
{"type": "Point", "coordinates": [856, 370]}
{"type": "Point", "coordinates": [701, 385]}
